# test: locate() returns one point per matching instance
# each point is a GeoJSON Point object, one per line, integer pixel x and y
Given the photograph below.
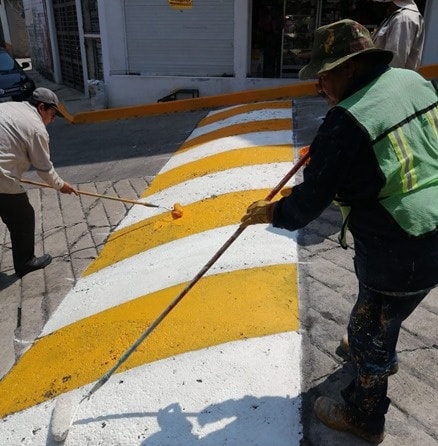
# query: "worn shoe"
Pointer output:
{"type": "Point", "coordinates": [335, 416]}
{"type": "Point", "coordinates": [34, 264]}
{"type": "Point", "coordinates": [345, 348]}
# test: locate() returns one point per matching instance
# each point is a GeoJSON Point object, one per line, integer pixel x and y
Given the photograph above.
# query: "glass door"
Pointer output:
{"type": "Point", "coordinates": [299, 26]}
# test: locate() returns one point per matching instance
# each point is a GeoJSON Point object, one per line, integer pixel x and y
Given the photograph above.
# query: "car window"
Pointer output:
{"type": "Point", "coordinates": [7, 63]}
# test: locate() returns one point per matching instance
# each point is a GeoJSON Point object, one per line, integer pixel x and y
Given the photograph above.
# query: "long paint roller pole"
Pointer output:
{"type": "Point", "coordinates": [92, 194]}
{"type": "Point", "coordinates": [60, 432]}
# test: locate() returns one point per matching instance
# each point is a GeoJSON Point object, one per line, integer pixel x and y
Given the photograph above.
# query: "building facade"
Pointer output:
{"type": "Point", "coordinates": [143, 50]}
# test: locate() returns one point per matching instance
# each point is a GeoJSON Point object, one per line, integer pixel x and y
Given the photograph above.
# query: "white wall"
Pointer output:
{"type": "Point", "coordinates": [124, 90]}
{"type": "Point", "coordinates": [430, 53]}
{"type": "Point", "coordinates": [5, 26]}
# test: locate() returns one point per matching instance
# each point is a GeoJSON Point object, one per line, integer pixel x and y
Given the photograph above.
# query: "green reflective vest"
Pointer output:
{"type": "Point", "coordinates": [404, 136]}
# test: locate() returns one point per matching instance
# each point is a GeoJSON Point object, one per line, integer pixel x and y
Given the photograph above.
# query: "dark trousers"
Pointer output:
{"type": "Point", "coordinates": [19, 217]}
{"type": "Point", "coordinates": [373, 331]}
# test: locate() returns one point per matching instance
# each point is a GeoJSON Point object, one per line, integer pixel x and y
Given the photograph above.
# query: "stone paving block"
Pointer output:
{"type": "Point", "coordinates": [97, 219]}
{"type": "Point", "coordinates": [115, 210]}
{"type": "Point", "coordinates": [81, 247]}
{"type": "Point", "coordinates": [324, 332]}
{"type": "Point", "coordinates": [340, 257]}
{"type": "Point", "coordinates": [423, 322]}
{"type": "Point", "coordinates": [10, 298]}
{"type": "Point", "coordinates": [403, 430]}
{"type": "Point", "coordinates": [7, 265]}
{"type": "Point", "coordinates": [33, 293]}
{"type": "Point", "coordinates": [332, 276]}
{"type": "Point", "coordinates": [141, 184]}
{"type": "Point", "coordinates": [51, 217]}
{"type": "Point", "coordinates": [408, 393]}
{"type": "Point", "coordinates": [3, 240]}
{"type": "Point", "coordinates": [418, 361]}
{"type": "Point", "coordinates": [124, 189]}
{"type": "Point", "coordinates": [430, 303]}
{"type": "Point", "coordinates": [71, 210]}
{"type": "Point", "coordinates": [59, 281]}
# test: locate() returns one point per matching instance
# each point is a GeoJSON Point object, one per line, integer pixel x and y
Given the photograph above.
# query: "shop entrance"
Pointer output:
{"type": "Point", "coordinates": [282, 30]}
{"type": "Point", "coordinates": [67, 34]}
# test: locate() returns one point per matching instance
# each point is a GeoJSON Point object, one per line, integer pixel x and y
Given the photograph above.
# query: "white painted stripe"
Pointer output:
{"type": "Point", "coordinates": [162, 266]}
{"type": "Point", "coordinates": [232, 393]}
{"type": "Point", "coordinates": [225, 109]}
{"type": "Point", "coordinates": [232, 107]}
{"type": "Point", "coordinates": [251, 116]}
{"type": "Point", "coordinates": [228, 143]}
{"type": "Point", "coordinates": [259, 176]}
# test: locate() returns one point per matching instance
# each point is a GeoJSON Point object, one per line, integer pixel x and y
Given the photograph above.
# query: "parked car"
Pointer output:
{"type": "Point", "coordinates": [15, 84]}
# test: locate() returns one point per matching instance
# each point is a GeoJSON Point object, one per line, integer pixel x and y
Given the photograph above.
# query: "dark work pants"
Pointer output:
{"type": "Point", "coordinates": [19, 217]}
{"type": "Point", "coordinates": [373, 331]}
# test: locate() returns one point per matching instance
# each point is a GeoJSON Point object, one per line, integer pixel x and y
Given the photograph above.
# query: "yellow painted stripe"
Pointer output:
{"type": "Point", "coordinates": [268, 125]}
{"type": "Point", "coordinates": [214, 212]}
{"type": "Point", "coordinates": [246, 108]}
{"type": "Point", "coordinates": [221, 308]}
{"type": "Point", "coordinates": [248, 156]}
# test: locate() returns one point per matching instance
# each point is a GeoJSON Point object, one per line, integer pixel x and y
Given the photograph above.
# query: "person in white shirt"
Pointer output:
{"type": "Point", "coordinates": [24, 141]}
{"type": "Point", "coordinates": [402, 32]}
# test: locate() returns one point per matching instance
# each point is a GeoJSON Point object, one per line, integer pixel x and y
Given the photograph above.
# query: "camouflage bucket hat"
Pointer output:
{"type": "Point", "coordinates": [337, 42]}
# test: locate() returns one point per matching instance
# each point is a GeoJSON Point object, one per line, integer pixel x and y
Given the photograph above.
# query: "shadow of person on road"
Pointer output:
{"type": "Point", "coordinates": [327, 225]}
{"type": "Point", "coordinates": [248, 420]}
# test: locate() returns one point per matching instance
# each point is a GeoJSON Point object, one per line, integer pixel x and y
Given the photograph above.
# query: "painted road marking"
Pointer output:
{"type": "Point", "coordinates": [234, 337]}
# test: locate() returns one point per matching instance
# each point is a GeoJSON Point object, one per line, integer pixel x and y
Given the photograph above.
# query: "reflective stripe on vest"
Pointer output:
{"type": "Point", "coordinates": [405, 158]}
{"type": "Point", "coordinates": [404, 136]}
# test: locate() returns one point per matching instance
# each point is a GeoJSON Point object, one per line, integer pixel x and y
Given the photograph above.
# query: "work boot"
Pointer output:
{"type": "Point", "coordinates": [34, 264]}
{"type": "Point", "coordinates": [345, 349]}
{"type": "Point", "coordinates": [335, 416]}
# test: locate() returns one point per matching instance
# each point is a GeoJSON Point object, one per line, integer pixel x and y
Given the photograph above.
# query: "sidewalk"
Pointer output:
{"type": "Point", "coordinates": [74, 100]}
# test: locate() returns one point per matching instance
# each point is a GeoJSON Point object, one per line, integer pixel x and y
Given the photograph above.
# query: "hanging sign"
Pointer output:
{"type": "Point", "coordinates": [180, 4]}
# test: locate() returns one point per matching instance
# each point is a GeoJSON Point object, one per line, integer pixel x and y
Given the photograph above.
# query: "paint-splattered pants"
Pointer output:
{"type": "Point", "coordinates": [373, 332]}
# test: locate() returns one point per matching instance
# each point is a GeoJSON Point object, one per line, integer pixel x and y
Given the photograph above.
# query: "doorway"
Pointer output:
{"type": "Point", "coordinates": [67, 34]}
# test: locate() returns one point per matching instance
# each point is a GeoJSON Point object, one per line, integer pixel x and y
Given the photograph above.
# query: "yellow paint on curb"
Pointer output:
{"type": "Point", "coordinates": [207, 102]}
{"type": "Point", "coordinates": [247, 156]}
{"type": "Point", "coordinates": [204, 215]}
{"type": "Point", "coordinates": [268, 125]}
{"type": "Point", "coordinates": [221, 308]}
{"type": "Point", "coordinates": [300, 89]}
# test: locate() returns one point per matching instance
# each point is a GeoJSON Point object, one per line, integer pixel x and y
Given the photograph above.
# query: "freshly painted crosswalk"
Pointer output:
{"type": "Point", "coordinates": [223, 367]}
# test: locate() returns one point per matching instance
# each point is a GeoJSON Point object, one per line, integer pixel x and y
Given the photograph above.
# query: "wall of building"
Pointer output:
{"type": "Point", "coordinates": [19, 41]}
{"type": "Point", "coordinates": [123, 89]}
{"type": "Point", "coordinates": [430, 52]}
{"type": "Point", "coordinates": [5, 38]}
{"type": "Point", "coordinates": [36, 19]}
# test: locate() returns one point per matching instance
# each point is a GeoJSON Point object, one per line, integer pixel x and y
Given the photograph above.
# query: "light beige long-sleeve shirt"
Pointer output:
{"type": "Point", "coordinates": [402, 33]}
{"type": "Point", "coordinates": [24, 141]}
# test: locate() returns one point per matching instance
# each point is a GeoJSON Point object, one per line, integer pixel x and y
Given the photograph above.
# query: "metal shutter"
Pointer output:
{"type": "Point", "coordinates": [162, 41]}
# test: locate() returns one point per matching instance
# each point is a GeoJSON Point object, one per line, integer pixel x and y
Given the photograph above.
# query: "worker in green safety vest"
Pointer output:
{"type": "Point", "coordinates": [376, 155]}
